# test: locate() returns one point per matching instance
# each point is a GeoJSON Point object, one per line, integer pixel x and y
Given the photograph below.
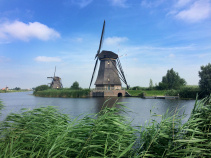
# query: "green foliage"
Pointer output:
{"type": "Point", "coordinates": [151, 86]}
{"type": "Point", "coordinates": [44, 132]}
{"type": "Point", "coordinates": [172, 80]}
{"type": "Point", "coordinates": [136, 93]}
{"type": "Point", "coordinates": [189, 92]}
{"type": "Point", "coordinates": [41, 88]}
{"type": "Point", "coordinates": [142, 95]}
{"type": "Point", "coordinates": [63, 93]}
{"type": "Point", "coordinates": [205, 79]}
{"type": "Point", "coordinates": [171, 138]}
{"type": "Point", "coordinates": [1, 106]}
{"type": "Point", "coordinates": [75, 86]}
{"type": "Point", "coordinates": [172, 92]}
{"type": "Point", "coordinates": [17, 88]}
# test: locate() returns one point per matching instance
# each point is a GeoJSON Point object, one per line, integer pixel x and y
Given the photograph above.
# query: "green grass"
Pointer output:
{"type": "Point", "coordinates": [136, 93]}
{"type": "Point", "coordinates": [11, 91]}
{"type": "Point", "coordinates": [45, 132]}
{"type": "Point", "coordinates": [63, 93]}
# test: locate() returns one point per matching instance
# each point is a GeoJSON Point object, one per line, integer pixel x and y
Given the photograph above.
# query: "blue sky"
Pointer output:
{"type": "Point", "coordinates": [152, 35]}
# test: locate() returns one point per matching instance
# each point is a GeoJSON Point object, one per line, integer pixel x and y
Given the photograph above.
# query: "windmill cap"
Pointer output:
{"type": "Point", "coordinates": [107, 54]}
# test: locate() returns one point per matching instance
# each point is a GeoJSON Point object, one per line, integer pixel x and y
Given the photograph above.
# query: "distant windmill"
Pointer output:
{"type": "Point", "coordinates": [110, 72]}
{"type": "Point", "coordinates": [56, 81]}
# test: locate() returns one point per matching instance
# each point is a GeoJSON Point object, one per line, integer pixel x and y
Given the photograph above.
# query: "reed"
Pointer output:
{"type": "Point", "coordinates": [45, 132]}
{"type": "Point", "coordinates": [63, 93]}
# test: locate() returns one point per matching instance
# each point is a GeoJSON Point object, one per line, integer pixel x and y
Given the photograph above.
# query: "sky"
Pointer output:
{"type": "Point", "coordinates": [151, 36]}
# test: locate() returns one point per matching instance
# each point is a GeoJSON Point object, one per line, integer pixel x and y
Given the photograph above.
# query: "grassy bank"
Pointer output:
{"type": "Point", "coordinates": [45, 132]}
{"type": "Point", "coordinates": [63, 93]}
{"type": "Point", "coordinates": [187, 92]}
{"type": "Point", "coordinates": [11, 91]}
{"type": "Point", "coordinates": [136, 93]}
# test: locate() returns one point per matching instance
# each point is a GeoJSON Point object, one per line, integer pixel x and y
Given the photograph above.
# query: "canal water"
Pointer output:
{"type": "Point", "coordinates": [141, 110]}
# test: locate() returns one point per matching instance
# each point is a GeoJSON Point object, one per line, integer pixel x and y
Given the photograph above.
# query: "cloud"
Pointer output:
{"type": "Point", "coordinates": [47, 59]}
{"type": "Point", "coordinates": [182, 3]}
{"type": "Point", "coordinates": [119, 3]}
{"type": "Point", "coordinates": [151, 3]}
{"type": "Point", "coordinates": [25, 32]}
{"type": "Point", "coordinates": [115, 40]}
{"type": "Point", "coordinates": [197, 11]}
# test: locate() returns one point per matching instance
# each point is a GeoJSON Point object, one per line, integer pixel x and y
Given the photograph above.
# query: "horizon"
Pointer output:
{"type": "Point", "coordinates": [151, 36]}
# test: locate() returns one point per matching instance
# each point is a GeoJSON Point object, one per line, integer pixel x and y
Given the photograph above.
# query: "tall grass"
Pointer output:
{"type": "Point", "coordinates": [45, 132]}
{"type": "Point", "coordinates": [63, 93]}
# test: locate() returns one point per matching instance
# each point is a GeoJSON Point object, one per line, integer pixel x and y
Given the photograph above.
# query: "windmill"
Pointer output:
{"type": "Point", "coordinates": [56, 81]}
{"type": "Point", "coordinates": [110, 71]}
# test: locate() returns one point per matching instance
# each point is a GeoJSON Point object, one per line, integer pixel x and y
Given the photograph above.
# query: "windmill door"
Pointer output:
{"type": "Point", "coordinates": [109, 87]}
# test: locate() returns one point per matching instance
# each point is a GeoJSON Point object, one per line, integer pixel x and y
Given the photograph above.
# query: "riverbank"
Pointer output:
{"type": "Point", "coordinates": [185, 93]}
{"type": "Point", "coordinates": [105, 134]}
{"type": "Point", "coordinates": [63, 93]}
{"type": "Point", "coordinates": [11, 91]}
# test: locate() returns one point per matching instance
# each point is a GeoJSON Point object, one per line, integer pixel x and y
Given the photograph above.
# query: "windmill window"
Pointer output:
{"type": "Point", "coordinates": [108, 79]}
{"type": "Point", "coordinates": [108, 62]}
{"type": "Point", "coordinates": [104, 56]}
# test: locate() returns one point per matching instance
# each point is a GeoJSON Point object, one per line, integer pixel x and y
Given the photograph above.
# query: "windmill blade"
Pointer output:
{"type": "Point", "coordinates": [120, 67]}
{"type": "Point", "coordinates": [55, 71]}
{"type": "Point", "coordinates": [101, 40]}
{"type": "Point", "coordinates": [93, 73]}
{"type": "Point", "coordinates": [121, 77]}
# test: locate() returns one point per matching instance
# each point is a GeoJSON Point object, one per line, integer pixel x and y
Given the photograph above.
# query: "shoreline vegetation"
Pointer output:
{"type": "Point", "coordinates": [187, 92]}
{"type": "Point", "coordinates": [45, 132]}
{"type": "Point", "coordinates": [12, 91]}
{"type": "Point", "coordinates": [63, 93]}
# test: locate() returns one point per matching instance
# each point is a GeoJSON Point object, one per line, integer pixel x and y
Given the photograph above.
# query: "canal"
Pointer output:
{"type": "Point", "coordinates": [141, 110]}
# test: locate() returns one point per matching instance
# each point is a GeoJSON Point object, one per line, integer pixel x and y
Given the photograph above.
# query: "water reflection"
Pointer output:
{"type": "Point", "coordinates": [141, 108]}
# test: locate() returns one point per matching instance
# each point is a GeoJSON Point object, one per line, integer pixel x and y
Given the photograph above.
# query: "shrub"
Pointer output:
{"type": "Point", "coordinates": [41, 88]}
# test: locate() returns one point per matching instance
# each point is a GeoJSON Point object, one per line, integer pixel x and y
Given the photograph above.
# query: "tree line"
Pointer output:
{"type": "Point", "coordinates": [172, 81]}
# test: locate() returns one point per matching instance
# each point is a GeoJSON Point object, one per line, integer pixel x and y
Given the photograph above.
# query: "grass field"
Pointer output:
{"type": "Point", "coordinates": [135, 93]}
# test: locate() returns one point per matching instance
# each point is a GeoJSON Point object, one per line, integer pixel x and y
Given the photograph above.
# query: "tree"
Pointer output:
{"type": "Point", "coordinates": [172, 80]}
{"type": "Point", "coordinates": [75, 85]}
{"type": "Point", "coordinates": [150, 84]}
{"type": "Point", "coordinates": [205, 79]}
{"type": "Point", "coordinates": [41, 88]}
{"type": "Point", "coordinates": [17, 88]}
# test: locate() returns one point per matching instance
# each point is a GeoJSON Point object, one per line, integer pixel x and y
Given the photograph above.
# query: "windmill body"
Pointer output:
{"type": "Point", "coordinates": [56, 81]}
{"type": "Point", "coordinates": [109, 74]}
{"type": "Point", "coordinates": [108, 77]}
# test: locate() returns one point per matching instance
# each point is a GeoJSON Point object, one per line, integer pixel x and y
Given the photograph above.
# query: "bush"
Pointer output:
{"type": "Point", "coordinates": [172, 92]}
{"type": "Point", "coordinates": [188, 92]}
{"type": "Point", "coordinates": [142, 95]}
{"type": "Point", "coordinates": [41, 88]}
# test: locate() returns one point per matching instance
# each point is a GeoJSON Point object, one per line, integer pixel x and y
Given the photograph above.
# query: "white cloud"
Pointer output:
{"type": "Point", "coordinates": [182, 3]}
{"type": "Point", "coordinates": [25, 32]}
{"type": "Point", "coordinates": [119, 3]}
{"type": "Point", "coordinates": [199, 10]}
{"type": "Point", "coordinates": [47, 59]}
{"type": "Point", "coordinates": [115, 40]}
{"type": "Point", "coordinates": [151, 3]}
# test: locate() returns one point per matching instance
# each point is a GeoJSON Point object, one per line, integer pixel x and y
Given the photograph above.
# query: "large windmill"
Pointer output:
{"type": "Point", "coordinates": [56, 81]}
{"type": "Point", "coordinates": [110, 71]}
